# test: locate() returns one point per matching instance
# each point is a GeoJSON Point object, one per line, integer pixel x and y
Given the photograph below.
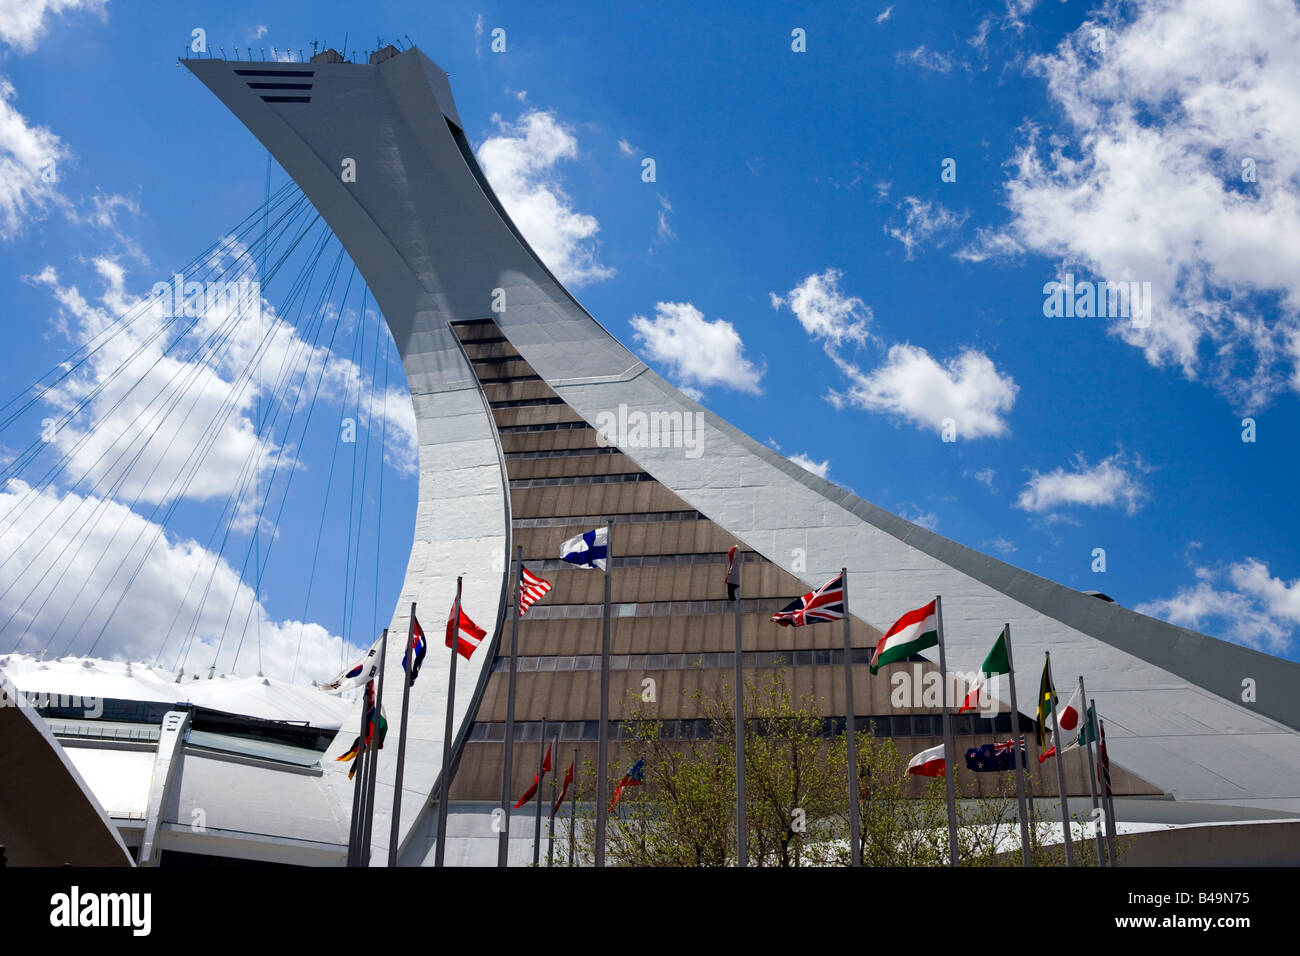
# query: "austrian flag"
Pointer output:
{"type": "Point", "coordinates": [911, 633]}
{"type": "Point", "coordinates": [470, 635]}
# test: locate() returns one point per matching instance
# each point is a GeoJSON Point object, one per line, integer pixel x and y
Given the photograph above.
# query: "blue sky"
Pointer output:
{"type": "Point", "coordinates": [799, 261]}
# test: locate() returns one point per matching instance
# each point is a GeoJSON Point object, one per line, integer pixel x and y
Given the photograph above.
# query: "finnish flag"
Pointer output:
{"type": "Point", "coordinates": [587, 550]}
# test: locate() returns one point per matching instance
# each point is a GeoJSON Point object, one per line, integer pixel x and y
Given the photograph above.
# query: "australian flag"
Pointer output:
{"type": "Point", "coordinates": [587, 550]}
{"type": "Point", "coordinates": [993, 757]}
{"type": "Point", "coordinates": [824, 604]}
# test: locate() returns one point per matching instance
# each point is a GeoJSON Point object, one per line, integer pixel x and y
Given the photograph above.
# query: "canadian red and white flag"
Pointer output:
{"type": "Point", "coordinates": [470, 634]}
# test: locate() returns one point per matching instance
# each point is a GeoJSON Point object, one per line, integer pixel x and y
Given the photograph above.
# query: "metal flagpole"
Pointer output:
{"type": "Point", "coordinates": [742, 823]}
{"type": "Point", "coordinates": [1110, 795]}
{"type": "Point", "coordinates": [537, 826]}
{"type": "Point", "coordinates": [602, 749]}
{"type": "Point", "coordinates": [503, 839]}
{"type": "Point", "coordinates": [851, 730]}
{"type": "Point", "coordinates": [1019, 757]}
{"type": "Point", "coordinates": [573, 812]}
{"type": "Point", "coordinates": [444, 790]}
{"type": "Point", "coordinates": [1060, 772]}
{"type": "Point", "coordinates": [949, 748]}
{"type": "Point", "coordinates": [374, 759]}
{"type": "Point", "coordinates": [550, 818]}
{"type": "Point", "coordinates": [1092, 772]}
{"type": "Point", "coordinates": [358, 790]}
{"type": "Point", "coordinates": [407, 663]}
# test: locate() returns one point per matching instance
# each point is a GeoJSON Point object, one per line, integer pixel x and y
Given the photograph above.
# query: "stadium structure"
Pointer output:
{"type": "Point", "coordinates": [534, 425]}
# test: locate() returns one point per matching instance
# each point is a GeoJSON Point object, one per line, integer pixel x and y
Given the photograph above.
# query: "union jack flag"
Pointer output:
{"type": "Point", "coordinates": [531, 588]}
{"type": "Point", "coordinates": [824, 604]}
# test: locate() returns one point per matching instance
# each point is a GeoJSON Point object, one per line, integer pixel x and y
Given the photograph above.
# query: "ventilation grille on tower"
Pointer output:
{"type": "Point", "coordinates": [280, 86]}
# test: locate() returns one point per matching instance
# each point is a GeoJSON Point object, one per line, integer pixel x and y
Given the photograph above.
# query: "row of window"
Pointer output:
{"type": "Point", "coordinates": [560, 612]}
{"type": "Point", "coordinates": [567, 480]}
{"type": "Point", "coordinates": [561, 453]}
{"type": "Point", "coordinates": [545, 427]}
{"type": "Point", "coordinates": [684, 661]}
{"type": "Point", "coordinates": [880, 725]}
{"type": "Point", "coordinates": [650, 560]}
{"type": "Point", "coordinates": [527, 403]}
{"type": "Point", "coordinates": [594, 521]}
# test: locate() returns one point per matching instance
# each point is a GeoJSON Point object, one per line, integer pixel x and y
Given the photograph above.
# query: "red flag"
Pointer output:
{"type": "Point", "coordinates": [471, 635]}
{"type": "Point", "coordinates": [564, 790]}
{"type": "Point", "coordinates": [546, 768]}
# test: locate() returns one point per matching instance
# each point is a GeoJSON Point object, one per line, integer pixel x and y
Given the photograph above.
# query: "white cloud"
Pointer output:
{"type": "Point", "coordinates": [697, 352]}
{"type": "Point", "coordinates": [824, 311]}
{"type": "Point", "coordinates": [925, 222]}
{"type": "Point", "coordinates": [1002, 546]}
{"type": "Point", "coordinates": [926, 519]}
{"type": "Point", "coordinates": [520, 164]}
{"type": "Point", "coordinates": [885, 14]}
{"type": "Point", "coordinates": [93, 574]}
{"type": "Point", "coordinates": [819, 468]}
{"type": "Point", "coordinates": [257, 32]}
{"type": "Point", "coordinates": [1017, 10]}
{"type": "Point", "coordinates": [1108, 483]}
{"type": "Point", "coordinates": [23, 22]}
{"type": "Point", "coordinates": [983, 475]}
{"type": "Point", "coordinates": [30, 157]}
{"type": "Point", "coordinates": [1160, 105]}
{"type": "Point", "coordinates": [911, 385]}
{"type": "Point", "coordinates": [927, 59]}
{"type": "Point", "coordinates": [626, 148]}
{"type": "Point", "coordinates": [665, 231]}
{"type": "Point", "coordinates": [1251, 607]}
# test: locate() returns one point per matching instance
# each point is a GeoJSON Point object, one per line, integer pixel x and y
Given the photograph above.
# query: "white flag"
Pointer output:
{"type": "Point", "coordinates": [356, 675]}
{"type": "Point", "coordinates": [587, 550]}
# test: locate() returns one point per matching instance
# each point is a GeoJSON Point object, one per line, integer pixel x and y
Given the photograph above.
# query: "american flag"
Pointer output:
{"type": "Point", "coordinates": [531, 589]}
{"type": "Point", "coordinates": [824, 604]}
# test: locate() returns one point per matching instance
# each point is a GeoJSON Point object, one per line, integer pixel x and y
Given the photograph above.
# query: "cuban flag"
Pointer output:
{"type": "Point", "coordinates": [587, 550]}
{"type": "Point", "coordinates": [418, 646]}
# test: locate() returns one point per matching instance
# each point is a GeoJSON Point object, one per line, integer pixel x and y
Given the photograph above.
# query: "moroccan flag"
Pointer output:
{"type": "Point", "coordinates": [1071, 720]}
{"type": "Point", "coordinates": [733, 575]}
{"type": "Point", "coordinates": [468, 635]}
{"type": "Point", "coordinates": [911, 633]}
{"type": "Point", "coordinates": [546, 768]}
{"type": "Point", "coordinates": [418, 647]}
{"type": "Point", "coordinates": [1046, 704]}
{"type": "Point", "coordinates": [995, 664]}
{"type": "Point", "coordinates": [633, 778]}
{"type": "Point", "coordinates": [991, 757]}
{"type": "Point", "coordinates": [564, 789]}
{"type": "Point", "coordinates": [928, 763]}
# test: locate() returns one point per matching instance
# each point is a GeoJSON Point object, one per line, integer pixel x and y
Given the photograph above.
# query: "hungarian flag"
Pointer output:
{"type": "Point", "coordinates": [633, 778]}
{"type": "Point", "coordinates": [356, 675]}
{"type": "Point", "coordinates": [564, 789]}
{"type": "Point", "coordinates": [733, 575]}
{"type": "Point", "coordinates": [1072, 726]}
{"type": "Point", "coordinates": [418, 647]}
{"type": "Point", "coordinates": [546, 768]}
{"type": "Point", "coordinates": [1046, 704]}
{"type": "Point", "coordinates": [531, 588]}
{"type": "Point", "coordinates": [994, 665]}
{"type": "Point", "coordinates": [992, 757]}
{"type": "Point", "coordinates": [911, 633]}
{"type": "Point", "coordinates": [469, 635]}
{"type": "Point", "coordinates": [928, 763]}
{"type": "Point", "coordinates": [824, 604]}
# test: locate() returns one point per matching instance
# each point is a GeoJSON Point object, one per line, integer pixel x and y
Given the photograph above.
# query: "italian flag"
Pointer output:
{"type": "Point", "coordinates": [996, 664]}
{"type": "Point", "coordinates": [928, 763]}
{"type": "Point", "coordinates": [911, 633]}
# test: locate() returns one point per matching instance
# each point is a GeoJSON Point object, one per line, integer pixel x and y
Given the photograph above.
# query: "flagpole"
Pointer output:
{"type": "Point", "coordinates": [602, 749]}
{"type": "Point", "coordinates": [537, 826]}
{"type": "Point", "coordinates": [742, 823]}
{"type": "Point", "coordinates": [1110, 794]}
{"type": "Point", "coordinates": [949, 748]}
{"type": "Point", "coordinates": [1092, 772]}
{"type": "Point", "coordinates": [407, 663]}
{"type": "Point", "coordinates": [1060, 772]}
{"type": "Point", "coordinates": [374, 762]}
{"type": "Point", "coordinates": [444, 794]}
{"type": "Point", "coordinates": [851, 730]}
{"type": "Point", "coordinates": [503, 839]}
{"type": "Point", "coordinates": [1019, 757]}
{"type": "Point", "coordinates": [573, 812]}
{"type": "Point", "coordinates": [358, 791]}
{"type": "Point", "coordinates": [550, 819]}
